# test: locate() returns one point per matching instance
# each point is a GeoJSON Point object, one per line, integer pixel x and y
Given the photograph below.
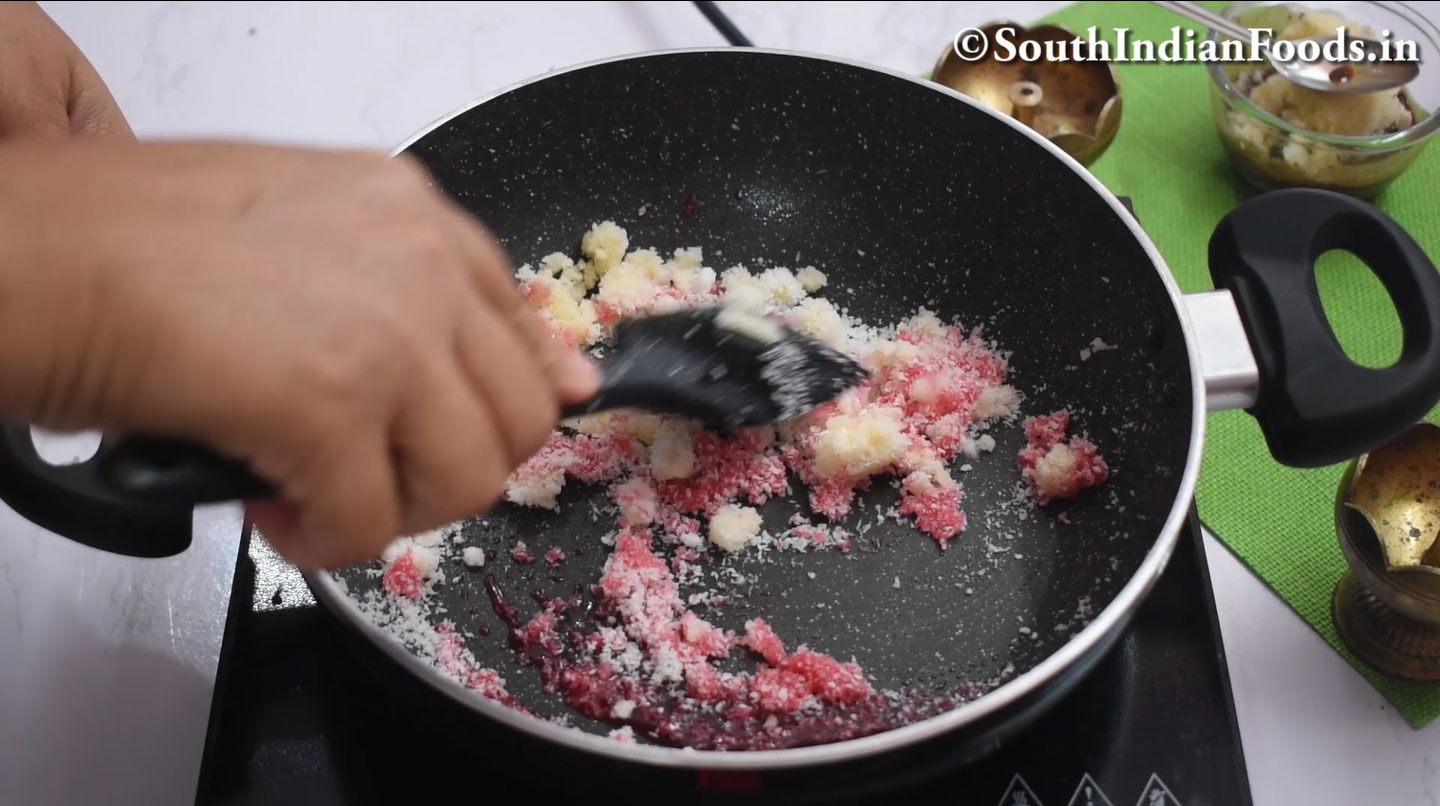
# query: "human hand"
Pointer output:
{"type": "Point", "coordinates": [327, 317]}
{"type": "Point", "coordinates": [48, 89]}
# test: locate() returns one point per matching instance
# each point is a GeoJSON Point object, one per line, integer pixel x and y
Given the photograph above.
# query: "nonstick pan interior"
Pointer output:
{"type": "Point", "coordinates": [905, 196]}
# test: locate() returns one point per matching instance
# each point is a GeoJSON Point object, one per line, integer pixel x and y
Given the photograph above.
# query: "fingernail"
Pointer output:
{"type": "Point", "coordinates": [580, 373]}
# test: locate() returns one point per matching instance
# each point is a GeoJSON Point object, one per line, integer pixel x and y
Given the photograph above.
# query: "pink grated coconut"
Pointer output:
{"type": "Point", "coordinates": [677, 694]}
{"type": "Point", "coordinates": [402, 578]}
{"type": "Point", "coordinates": [520, 553]}
{"type": "Point", "coordinates": [1054, 467]}
{"type": "Point", "coordinates": [937, 390]}
{"type": "Point", "coordinates": [727, 469]}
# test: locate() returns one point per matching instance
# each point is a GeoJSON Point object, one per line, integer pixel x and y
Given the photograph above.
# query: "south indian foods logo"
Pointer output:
{"type": "Point", "coordinates": [1007, 44]}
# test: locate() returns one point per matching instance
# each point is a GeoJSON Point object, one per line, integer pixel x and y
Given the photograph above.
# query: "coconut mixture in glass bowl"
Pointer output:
{"type": "Point", "coordinates": [1281, 135]}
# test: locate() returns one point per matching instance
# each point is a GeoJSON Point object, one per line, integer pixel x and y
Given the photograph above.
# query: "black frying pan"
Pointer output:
{"type": "Point", "coordinates": [907, 194]}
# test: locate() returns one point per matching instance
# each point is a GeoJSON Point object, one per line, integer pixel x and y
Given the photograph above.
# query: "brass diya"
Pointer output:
{"type": "Point", "coordinates": [1386, 607]}
{"type": "Point", "coordinates": [1074, 104]}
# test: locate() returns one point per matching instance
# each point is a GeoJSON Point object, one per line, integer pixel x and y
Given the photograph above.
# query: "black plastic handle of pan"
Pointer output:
{"type": "Point", "coordinates": [103, 501]}
{"type": "Point", "coordinates": [1316, 406]}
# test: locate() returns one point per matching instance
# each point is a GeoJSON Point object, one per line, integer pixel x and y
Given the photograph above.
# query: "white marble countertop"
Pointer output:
{"type": "Point", "coordinates": [370, 74]}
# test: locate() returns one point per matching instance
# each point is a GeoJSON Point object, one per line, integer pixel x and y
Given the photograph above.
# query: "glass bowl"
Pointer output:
{"type": "Point", "coordinates": [1271, 151]}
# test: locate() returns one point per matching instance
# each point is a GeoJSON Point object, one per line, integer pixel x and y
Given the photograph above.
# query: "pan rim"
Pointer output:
{"type": "Point", "coordinates": [330, 593]}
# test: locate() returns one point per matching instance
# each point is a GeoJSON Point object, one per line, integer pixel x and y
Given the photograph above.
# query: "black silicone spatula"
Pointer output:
{"type": "Point", "coordinates": [721, 366]}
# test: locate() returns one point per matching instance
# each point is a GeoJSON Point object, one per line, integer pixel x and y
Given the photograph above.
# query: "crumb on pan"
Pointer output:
{"type": "Point", "coordinates": [733, 527]}
{"type": "Point", "coordinates": [1057, 468]}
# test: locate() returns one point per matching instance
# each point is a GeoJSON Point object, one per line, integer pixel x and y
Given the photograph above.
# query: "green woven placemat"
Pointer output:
{"type": "Point", "coordinates": [1168, 159]}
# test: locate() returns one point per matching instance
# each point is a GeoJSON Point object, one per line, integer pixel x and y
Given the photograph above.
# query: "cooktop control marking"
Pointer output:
{"type": "Point", "coordinates": [1019, 793]}
{"type": "Point", "coordinates": [1088, 793]}
{"type": "Point", "coordinates": [1157, 794]}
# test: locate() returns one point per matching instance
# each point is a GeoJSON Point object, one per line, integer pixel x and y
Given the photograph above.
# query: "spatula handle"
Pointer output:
{"type": "Point", "coordinates": [180, 472]}
{"type": "Point", "coordinates": [136, 495]}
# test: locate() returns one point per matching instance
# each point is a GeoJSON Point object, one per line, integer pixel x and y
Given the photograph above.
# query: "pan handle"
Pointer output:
{"type": "Point", "coordinates": [101, 502]}
{"type": "Point", "coordinates": [1315, 406]}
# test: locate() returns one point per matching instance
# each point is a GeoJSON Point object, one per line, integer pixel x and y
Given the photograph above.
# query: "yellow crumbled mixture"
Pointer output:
{"type": "Point", "coordinates": [860, 445]}
{"type": "Point", "coordinates": [1053, 471]}
{"type": "Point", "coordinates": [817, 318]}
{"type": "Point", "coordinates": [733, 527]}
{"type": "Point", "coordinates": [605, 246]}
{"type": "Point", "coordinates": [811, 279]}
{"type": "Point", "coordinates": [997, 401]}
{"type": "Point", "coordinates": [785, 289]}
{"type": "Point", "coordinates": [558, 303]}
{"type": "Point", "coordinates": [1345, 114]}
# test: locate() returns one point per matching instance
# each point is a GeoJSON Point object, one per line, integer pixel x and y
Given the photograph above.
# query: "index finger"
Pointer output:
{"type": "Point", "coordinates": [574, 375]}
